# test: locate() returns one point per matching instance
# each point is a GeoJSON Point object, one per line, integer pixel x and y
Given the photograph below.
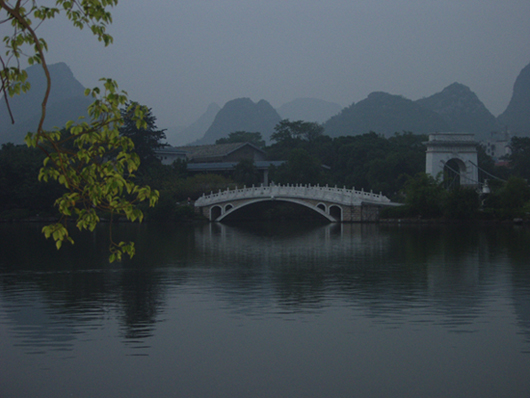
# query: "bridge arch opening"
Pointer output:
{"type": "Point", "coordinates": [454, 169]}
{"type": "Point", "coordinates": [335, 212]}
{"type": "Point", "coordinates": [272, 210]}
{"type": "Point", "coordinates": [228, 207]}
{"type": "Point", "coordinates": [322, 207]}
{"type": "Point", "coordinates": [215, 212]}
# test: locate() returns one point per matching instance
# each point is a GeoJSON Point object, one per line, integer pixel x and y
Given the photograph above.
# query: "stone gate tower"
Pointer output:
{"type": "Point", "coordinates": [460, 149]}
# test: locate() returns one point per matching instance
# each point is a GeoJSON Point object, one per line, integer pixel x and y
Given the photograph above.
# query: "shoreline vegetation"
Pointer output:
{"type": "Point", "coordinates": [393, 166]}
{"type": "Point", "coordinates": [384, 221]}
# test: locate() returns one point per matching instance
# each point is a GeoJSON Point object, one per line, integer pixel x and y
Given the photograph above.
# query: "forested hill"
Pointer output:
{"type": "Point", "coordinates": [384, 114]}
{"type": "Point", "coordinates": [242, 114]}
{"type": "Point", "coordinates": [516, 117]}
{"type": "Point", "coordinates": [462, 110]}
{"type": "Point", "coordinates": [66, 102]}
{"type": "Point", "coordinates": [456, 108]}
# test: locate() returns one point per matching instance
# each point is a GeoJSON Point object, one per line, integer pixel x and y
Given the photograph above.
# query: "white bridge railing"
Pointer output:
{"type": "Point", "coordinates": [335, 195]}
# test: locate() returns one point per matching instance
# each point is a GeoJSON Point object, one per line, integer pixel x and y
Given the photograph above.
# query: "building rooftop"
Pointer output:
{"type": "Point", "coordinates": [212, 151]}
{"type": "Point", "coordinates": [222, 166]}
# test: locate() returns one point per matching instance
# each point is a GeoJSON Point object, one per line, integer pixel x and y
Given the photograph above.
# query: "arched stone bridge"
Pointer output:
{"type": "Point", "coordinates": [335, 204]}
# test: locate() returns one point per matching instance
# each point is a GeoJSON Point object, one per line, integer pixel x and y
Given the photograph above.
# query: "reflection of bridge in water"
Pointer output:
{"type": "Point", "coordinates": [379, 261]}
{"type": "Point", "coordinates": [291, 244]}
{"type": "Point", "coordinates": [334, 204]}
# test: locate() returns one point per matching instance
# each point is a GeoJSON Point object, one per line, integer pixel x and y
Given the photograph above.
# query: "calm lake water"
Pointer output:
{"type": "Point", "coordinates": [267, 310]}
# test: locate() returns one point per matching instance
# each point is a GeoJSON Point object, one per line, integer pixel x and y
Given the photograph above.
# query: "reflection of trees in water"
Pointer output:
{"type": "Point", "coordinates": [73, 299]}
{"type": "Point", "coordinates": [141, 297]}
{"type": "Point", "coordinates": [440, 265]}
{"type": "Point", "coordinates": [385, 269]}
{"type": "Point", "coordinates": [37, 326]}
{"type": "Point", "coordinates": [77, 284]}
{"type": "Point", "coordinates": [521, 300]}
{"type": "Point", "coordinates": [518, 252]}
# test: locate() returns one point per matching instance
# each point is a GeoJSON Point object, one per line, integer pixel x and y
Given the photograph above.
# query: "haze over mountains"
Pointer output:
{"type": "Point", "coordinates": [242, 114]}
{"type": "Point", "coordinates": [517, 115]}
{"type": "Point", "coordinates": [456, 109]}
{"type": "Point", "coordinates": [309, 109]}
{"type": "Point", "coordinates": [461, 110]}
{"type": "Point", "coordinates": [385, 114]}
{"type": "Point", "coordinates": [66, 102]}
{"type": "Point", "coordinates": [184, 135]}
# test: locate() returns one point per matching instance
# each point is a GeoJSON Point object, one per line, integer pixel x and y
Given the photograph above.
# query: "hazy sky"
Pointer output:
{"type": "Point", "coordinates": [178, 56]}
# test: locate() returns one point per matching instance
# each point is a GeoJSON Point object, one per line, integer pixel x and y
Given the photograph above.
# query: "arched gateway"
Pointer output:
{"type": "Point", "coordinates": [334, 204]}
{"type": "Point", "coordinates": [453, 153]}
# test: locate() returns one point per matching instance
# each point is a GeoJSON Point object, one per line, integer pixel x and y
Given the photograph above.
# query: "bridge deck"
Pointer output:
{"type": "Point", "coordinates": [336, 195]}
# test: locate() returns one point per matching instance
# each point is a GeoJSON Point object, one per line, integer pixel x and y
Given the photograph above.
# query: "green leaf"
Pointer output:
{"type": "Point", "coordinates": [90, 159]}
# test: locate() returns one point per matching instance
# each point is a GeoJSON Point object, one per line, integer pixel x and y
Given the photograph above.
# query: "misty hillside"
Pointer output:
{"type": "Point", "coordinates": [66, 102]}
{"type": "Point", "coordinates": [384, 114]}
{"type": "Point", "coordinates": [462, 110]}
{"type": "Point", "coordinates": [456, 108]}
{"type": "Point", "coordinates": [309, 109]}
{"type": "Point", "coordinates": [516, 117]}
{"type": "Point", "coordinates": [242, 114]}
{"type": "Point", "coordinates": [195, 131]}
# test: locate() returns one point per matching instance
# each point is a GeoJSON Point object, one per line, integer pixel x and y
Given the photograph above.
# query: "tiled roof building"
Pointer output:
{"type": "Point", "coordinates": [223, 153]}
{"type": "Point", "coordinates": [219, 158]}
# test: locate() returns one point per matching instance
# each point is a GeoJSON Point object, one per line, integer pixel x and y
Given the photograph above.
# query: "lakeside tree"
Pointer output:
{"type": "Point", "coordinates": [147, 138]}
{"type": "Point", "coordinates": [90, 159]}
{"type": "Point", "coordinates": [246, 173]}
{"type": "Point", "coordinates": [289, 136]}
{"type": "Point", "coordinates": [21, 193]}
{"type": "Point", "coordinates": [510, 200]}
{"type": "Point", "coordinates": [370, 161]}
{"type": "Point", "coordinates": [351, 155]}
{"type": "Point", "coordinates": [375, 162]}
{"type": "Point", "coordinates": [520, 156]}
{"type": "Point", "coordinates": [424, 196]}
{"type": "Point", "coordinates": [287, 130]}
{"type": "Point", "coordinates": [300, 168]}
{"type": "Point", "coordinates": [461, 204]}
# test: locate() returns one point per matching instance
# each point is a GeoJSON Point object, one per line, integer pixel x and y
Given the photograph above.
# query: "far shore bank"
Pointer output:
{"type": "Point", "coordinates": [390, 221]}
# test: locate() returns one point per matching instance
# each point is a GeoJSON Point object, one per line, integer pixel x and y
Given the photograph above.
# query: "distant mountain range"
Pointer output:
{"type": "Point", "coordinates": [385, 114]}
{"type": "Point", "coordinates": [461, 109]}
{"type": "Point", "coordinates": [242, 114]}
{"type": "Point", "coordinates": [456, 108]}
{"type": "Point", "coordinates": [66, 102]}
{"type": "Point", "coordinates": [516, 117]}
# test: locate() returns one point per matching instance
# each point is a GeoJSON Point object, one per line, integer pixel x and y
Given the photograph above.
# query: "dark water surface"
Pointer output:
{"type": "Point", "coordinates": [268, 310]}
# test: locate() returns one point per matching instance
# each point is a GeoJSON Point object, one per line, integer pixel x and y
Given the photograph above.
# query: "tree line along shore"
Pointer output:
{"type": "Point", "coordinates": [394, 166]}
